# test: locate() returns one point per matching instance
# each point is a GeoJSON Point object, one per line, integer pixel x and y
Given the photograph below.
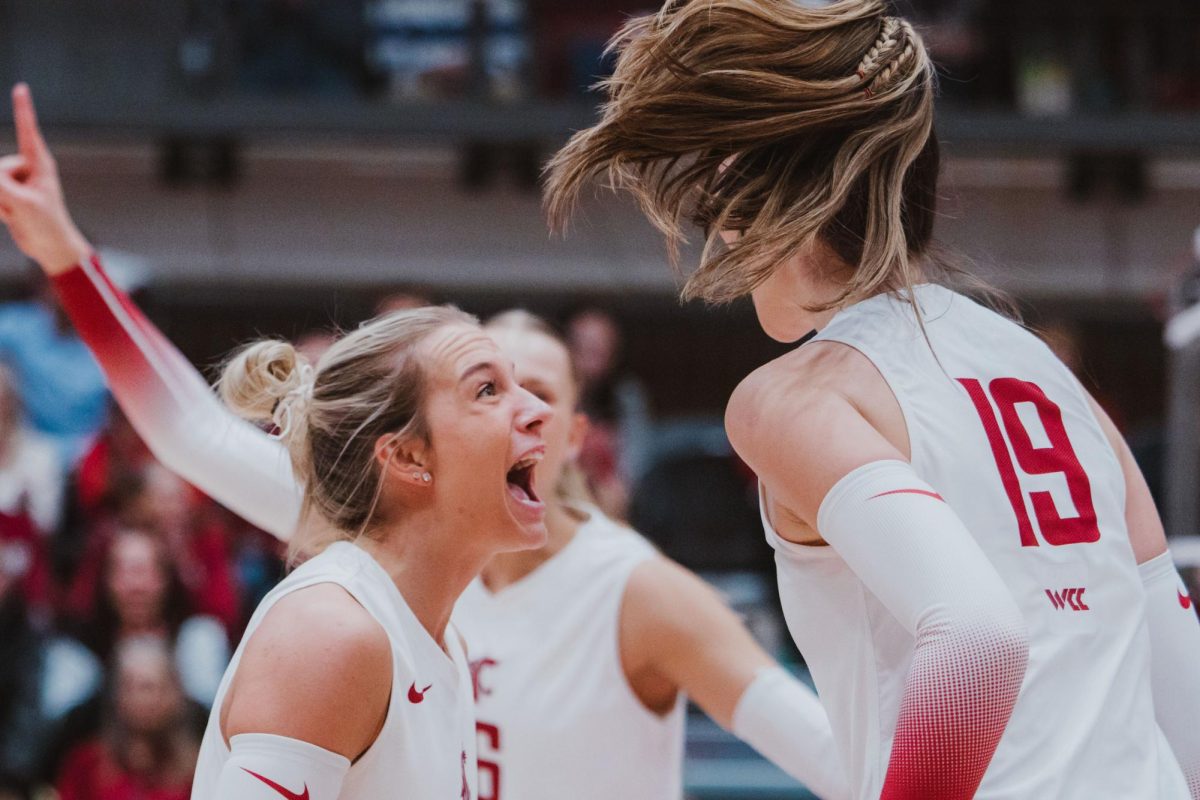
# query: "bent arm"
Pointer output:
{"type": "Point", "coordinates": [676, 626]}
{"type": "Point", "coordinates": [1170, 615]}
{"type": "Point", "coordinates": [175, 411]}
{"type": "Point", "coordinates": [914, 554]}
{"type": "Point", "coordinates": [911, 552]}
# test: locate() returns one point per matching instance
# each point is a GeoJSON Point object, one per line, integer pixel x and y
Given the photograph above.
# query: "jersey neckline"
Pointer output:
{"type": "Point", "coordinates": [442, 655]}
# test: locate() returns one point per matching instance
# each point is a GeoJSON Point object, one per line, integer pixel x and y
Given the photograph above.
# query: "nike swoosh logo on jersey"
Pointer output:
{"type": "Point", "coordinates": [1184, 600]}
{"type": "Point", "coordinates": [415, 696]}
{"type": "Point", "coordinates": [288, 794]}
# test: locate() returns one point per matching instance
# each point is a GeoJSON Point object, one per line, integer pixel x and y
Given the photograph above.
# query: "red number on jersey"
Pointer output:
{"type": "Point", "coordinates": [1058, 458]}
{"type": "Point", "coordinates": [489, 771]}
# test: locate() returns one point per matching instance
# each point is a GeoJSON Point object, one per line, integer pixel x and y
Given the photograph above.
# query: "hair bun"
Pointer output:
{"type": "Point", "coordinates": [264, 381]}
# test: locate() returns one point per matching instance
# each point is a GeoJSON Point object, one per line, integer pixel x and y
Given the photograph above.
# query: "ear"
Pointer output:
{"type": "Point", "coordinates": [580, 424]}
{"type": "Point", "coordinates": [404, 459]}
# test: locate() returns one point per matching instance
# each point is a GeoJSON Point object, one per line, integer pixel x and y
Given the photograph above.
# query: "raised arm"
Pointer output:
{"type": "Point", "coordinates": [1170, 616]}
{"type": "Point", "coordinates": [167, 401]}
{"type": "Point", "coordinates": [677, 634]}
{"type": "Point", "coordinates": [831, 469]}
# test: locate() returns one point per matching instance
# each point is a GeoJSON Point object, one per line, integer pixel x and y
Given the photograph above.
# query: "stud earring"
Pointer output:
{"type": "Point", "coordinates": [416, 476]}
{"type": "Point", "coordinates": [426, 477]}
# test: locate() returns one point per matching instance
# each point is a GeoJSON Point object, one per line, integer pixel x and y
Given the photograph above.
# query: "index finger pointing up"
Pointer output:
{"type": "Point", "coordinates": [29, 136]}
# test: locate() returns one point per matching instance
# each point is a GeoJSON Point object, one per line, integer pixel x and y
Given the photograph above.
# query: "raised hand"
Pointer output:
{"type": "Point", "coordinates": [31, 198]}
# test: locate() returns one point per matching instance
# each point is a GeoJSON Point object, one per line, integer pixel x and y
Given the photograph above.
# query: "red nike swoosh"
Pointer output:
{"type": "Point", "coordinates": [415, 696]}
{"type": "Point", "coordinates": [1184, 600]}
{"type": "Point", "coordinates": [288, 794]}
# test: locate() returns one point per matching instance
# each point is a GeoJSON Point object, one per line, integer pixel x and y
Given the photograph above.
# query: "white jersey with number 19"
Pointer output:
{"type": "Point", "coordinates": [1004, 433]}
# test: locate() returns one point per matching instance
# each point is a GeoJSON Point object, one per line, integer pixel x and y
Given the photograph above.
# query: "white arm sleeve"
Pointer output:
{"type": "Point", "coordinates": [175, 411]}
{"type": "Point", "coordinates": [783, 720]}
{"type": "Point", "coordinates": [911, 550]}
{"type": "Point", "coordinates": [1174, 660]}
{"type": "Point", "coordinates": [266, 767]}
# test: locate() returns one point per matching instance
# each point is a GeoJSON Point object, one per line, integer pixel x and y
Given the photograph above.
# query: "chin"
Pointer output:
{"type": "Point", "coordinates": [526, 536]}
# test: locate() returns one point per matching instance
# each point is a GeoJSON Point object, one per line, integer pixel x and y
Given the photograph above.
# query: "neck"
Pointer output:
{"type": "Point", "coordinates": [429, 573]}
{"type": "Point", "coordinates": [506, 569]}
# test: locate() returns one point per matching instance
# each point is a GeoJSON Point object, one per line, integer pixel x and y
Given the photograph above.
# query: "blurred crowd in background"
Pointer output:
{"type": "Point", "coordinates": [122, 587]}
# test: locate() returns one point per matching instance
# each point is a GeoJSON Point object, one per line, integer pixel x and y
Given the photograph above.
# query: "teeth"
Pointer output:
{"type": "Point", "coordinates": [529, 461]}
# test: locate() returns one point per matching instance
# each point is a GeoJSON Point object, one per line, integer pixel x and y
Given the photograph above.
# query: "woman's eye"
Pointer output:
{"type": "Point", "coordinates": [486, 390]}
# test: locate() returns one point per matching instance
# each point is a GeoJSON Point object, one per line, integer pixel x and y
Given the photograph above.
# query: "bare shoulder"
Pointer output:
{"type": "Point", "coordinates": [318, 669]}
{"type": "Point", "coordinates": [807, 419]}
{"type": "Point", "coordinates": [661, 591]}
{"type": "Point", "coordinates": [820, 372]}
{"type": "Point", "coordinates": [677, 633]}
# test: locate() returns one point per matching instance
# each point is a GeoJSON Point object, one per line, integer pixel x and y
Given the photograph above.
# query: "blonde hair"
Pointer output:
{"type": "Point", "coordinates": [572, 486]}
{"type": "Point", "coordinates": [792, 125]}
{"type": "Point", "coordinates": [369, 384]}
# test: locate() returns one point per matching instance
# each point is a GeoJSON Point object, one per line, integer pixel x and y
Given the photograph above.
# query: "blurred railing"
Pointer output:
{"type": "Point", "coordinates": [1019, 75]}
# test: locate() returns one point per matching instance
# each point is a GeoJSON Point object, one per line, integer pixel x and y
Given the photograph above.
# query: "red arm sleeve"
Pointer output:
{"type": "Point", "coordinates": [175, 411]}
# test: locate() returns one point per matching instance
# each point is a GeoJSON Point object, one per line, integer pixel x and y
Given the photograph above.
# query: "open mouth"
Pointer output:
{"type": "Point", "coordinates": [521, 479]}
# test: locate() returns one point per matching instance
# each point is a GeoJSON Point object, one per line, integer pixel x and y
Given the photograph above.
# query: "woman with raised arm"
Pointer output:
{"type": "Point", "coordinates": [968, 557]}
{"type": "Point", "coordinates": [539, 722]}
{"type": "Point", "coordinates": [416, 450]}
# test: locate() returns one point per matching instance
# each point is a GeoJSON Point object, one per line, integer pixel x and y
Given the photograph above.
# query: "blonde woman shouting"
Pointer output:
{"type": "Point", "coordinates": [416, 449]}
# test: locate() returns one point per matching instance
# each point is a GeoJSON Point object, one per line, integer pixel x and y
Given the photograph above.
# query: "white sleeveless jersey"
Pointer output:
{"type": "Point", "coordinates": [426, 749]}
{"type": "Point", "coordinates": [1002, 431]}
{"type": "Point", "coordinates": [556, 715]}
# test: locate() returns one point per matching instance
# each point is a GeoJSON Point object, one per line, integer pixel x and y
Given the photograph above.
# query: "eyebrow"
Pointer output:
{"type": "Point", "coordinates": [482, 366]}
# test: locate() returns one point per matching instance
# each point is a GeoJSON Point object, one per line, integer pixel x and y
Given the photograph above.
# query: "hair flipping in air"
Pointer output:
{"type": "Point", "coordinates": [786, 123]}
{"type": "Point", "coordinates": [370, 383]}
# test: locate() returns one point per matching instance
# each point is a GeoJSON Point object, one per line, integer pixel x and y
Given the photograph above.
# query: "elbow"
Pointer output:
{"type": "Point", "coordinates": [990, 645]}
{"type": "Point", "coordinates": [1010, 650]}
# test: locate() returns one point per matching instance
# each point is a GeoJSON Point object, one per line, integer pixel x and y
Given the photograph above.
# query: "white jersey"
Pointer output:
{"type": "Point", "coordinates": [1005, 434]}
{"type": "Point", "coordinates": [426, 748]}
{"type": "Point", "coordinates": [557, 717]}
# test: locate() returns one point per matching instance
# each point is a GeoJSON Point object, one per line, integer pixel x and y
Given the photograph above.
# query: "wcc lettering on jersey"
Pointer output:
{"type": "Point", "coordinates": [1068, 598]}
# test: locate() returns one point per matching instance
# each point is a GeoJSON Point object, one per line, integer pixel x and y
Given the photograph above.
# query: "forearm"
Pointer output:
{"type": "Point", "coordinates": [1174, 641]}
{"type": "Point", "coordinates": [914, 554]}
{"type": "Point", "coordinates": [173, 409]}
{"type": "Point", "coordinates": [784, 721]}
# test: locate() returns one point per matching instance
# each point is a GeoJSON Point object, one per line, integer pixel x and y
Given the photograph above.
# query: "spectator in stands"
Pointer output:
{"type": "Point", "coordinates": [191, 528]}
{"type": "Point", "coordinates": [41, 677]}
{"type": "Point", "coordinates": [61, 387]}
{"type": "Point", "coordinates": [613, 453]}
{"type": "Point", "coordinates": [190, 524]}
{"type": "Point", "coordinates": [31, 475]}
{"type": "Point", "coordinates": [117, 453]}
{"type": "Point", "coordinates": [140, 592]}
{"type": "Point", "coordinates": [148, 743]}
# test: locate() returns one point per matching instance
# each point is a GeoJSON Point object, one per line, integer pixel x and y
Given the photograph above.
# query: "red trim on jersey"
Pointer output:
{"type": "Point", "coordinates": [921, 492]}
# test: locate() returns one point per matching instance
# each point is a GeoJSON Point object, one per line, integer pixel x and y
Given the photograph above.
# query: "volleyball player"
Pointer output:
{"type": "Point", "coordinates": [968, 556]}
{"type": "Point", "coordinates": [416, 448]}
